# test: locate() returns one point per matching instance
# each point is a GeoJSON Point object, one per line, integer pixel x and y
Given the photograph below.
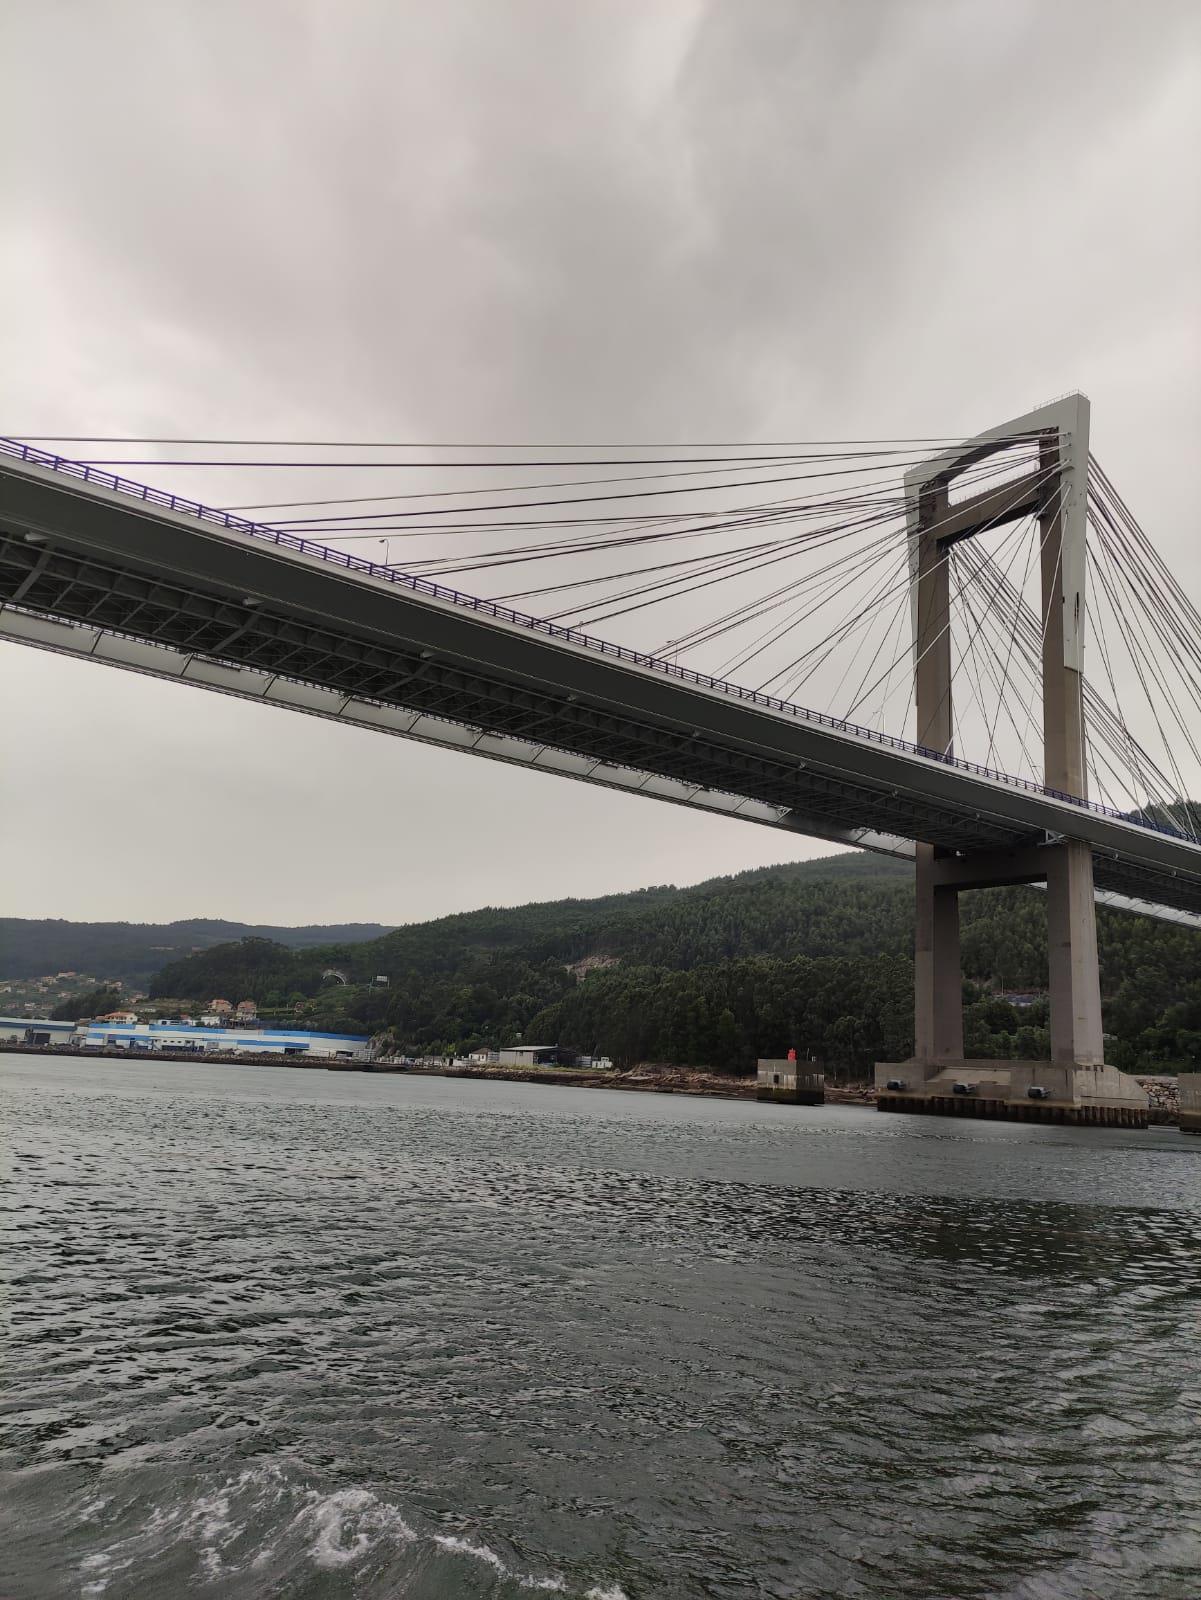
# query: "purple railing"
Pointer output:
{"type": "Point", "coordinates": [340, 558]}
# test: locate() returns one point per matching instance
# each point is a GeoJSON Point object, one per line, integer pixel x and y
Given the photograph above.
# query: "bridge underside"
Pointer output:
{"type": "Point", "coordinates": [83, 572]}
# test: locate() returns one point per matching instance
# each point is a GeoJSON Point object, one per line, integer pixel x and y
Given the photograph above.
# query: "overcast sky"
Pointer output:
{"type": "Point", "coordinates": [505, 221]}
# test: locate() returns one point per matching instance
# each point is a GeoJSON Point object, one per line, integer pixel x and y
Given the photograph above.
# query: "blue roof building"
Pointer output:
{"type": "Point", "coordinates": [177, 1038]}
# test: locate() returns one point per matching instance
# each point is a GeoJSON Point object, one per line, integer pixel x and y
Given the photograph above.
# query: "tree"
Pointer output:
{"type": "Point", "coordinates": [93, 1004]}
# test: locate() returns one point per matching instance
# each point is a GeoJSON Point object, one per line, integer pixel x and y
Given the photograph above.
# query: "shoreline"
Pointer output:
{"type": "Point", "coordinates": [665, 1080]}
{"type": "Point", "coordinates": [1163, 1111]}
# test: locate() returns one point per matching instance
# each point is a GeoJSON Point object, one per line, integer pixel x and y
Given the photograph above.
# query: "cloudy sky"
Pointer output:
{"type": "Point", "coordinates": [533, 220]}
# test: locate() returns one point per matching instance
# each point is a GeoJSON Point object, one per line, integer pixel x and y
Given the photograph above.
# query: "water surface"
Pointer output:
{"type": "Point", "coordinates": [288, 1333]}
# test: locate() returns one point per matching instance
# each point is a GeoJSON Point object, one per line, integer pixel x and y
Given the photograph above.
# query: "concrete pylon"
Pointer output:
{"type": "Point", "coordinates": [938, 981]}
{"type": "Point", "coordinates": [1073, 967]}
{"type": "Point", "coordinates": [1056, 493]}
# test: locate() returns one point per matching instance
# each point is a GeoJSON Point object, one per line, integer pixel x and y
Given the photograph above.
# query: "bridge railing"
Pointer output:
{"type": "Point", "coordinates": [341, 558]}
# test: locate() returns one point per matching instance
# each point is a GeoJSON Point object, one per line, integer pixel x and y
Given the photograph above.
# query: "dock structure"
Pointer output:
{"type": "Point", "coordinates": [1017, 1091]}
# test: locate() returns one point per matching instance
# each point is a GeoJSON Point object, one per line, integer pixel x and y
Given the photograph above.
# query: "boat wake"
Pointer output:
{"type": "Point", "coordinates": [261, 1531]}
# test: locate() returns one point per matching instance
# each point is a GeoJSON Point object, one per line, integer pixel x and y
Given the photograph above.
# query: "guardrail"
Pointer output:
{"type": "Point", "coordinates": [341, 558]}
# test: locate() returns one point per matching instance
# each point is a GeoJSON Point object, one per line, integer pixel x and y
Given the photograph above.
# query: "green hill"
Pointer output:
{"type": "Point", "coordinates": [815, 954]}
{"type": "Point", "coordinates": [132, 951]}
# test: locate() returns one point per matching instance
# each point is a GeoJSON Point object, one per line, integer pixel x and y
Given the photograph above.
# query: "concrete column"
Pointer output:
{"type": "Point", "coordinates": [938, 982]}
{"type": "Point", "coordinates": [932, 625]}
{"type": "Point", "coordinates": [1075, 972]}
{"type": "Point", "coordinates": [1072, 962]}
{"type": "Point", "coordinates": [937, 968]}
{"type": "Point", "coordinates": [1064, 765]}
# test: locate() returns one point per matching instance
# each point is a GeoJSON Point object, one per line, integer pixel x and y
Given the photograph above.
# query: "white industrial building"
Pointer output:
{"type": "Point", "coordinates": [172, 1038]}
{"type": "Point", "coordinates": [35, 1031]}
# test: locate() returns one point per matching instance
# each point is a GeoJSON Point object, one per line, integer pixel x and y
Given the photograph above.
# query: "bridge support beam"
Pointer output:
{"type": "Point", "coordinates": [1072, 963]}
{"type": "Point", "coordinates": [1076, 1077]}
{"type": "Point", "coordinates": [937, 967]}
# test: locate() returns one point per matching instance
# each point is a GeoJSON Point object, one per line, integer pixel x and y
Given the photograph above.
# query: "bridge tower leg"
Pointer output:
{"type": "Point", "coordinates": [938, 978]}
{"type": "Point", "coordinates": [1076, 1081]}
{"type": "Point", "coordinates": [1074, 970]}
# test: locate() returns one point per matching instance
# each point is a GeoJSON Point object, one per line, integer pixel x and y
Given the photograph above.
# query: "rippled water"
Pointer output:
{"type": "Point", "coordinates": [281, 1333]}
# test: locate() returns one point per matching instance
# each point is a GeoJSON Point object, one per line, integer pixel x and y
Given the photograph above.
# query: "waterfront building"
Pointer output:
{"type": "Point", "coordinates": [529, 1055]}
{"type": "Point", "coordinates": [174, 1038]}
{"type": "Point", "coordinates": [35, 1031]}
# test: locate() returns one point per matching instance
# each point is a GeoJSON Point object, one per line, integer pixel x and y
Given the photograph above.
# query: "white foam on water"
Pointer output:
{"type": "Point", "coordinates": [96, 1564]}
{"type": "Point", "coordinates": [552, 1584]}
{"type": "Point", "coordinates": [210, 1518]}
{"type": "Point", "coordinates": [337, 1529]}
{"type": "Point", "coordinates": [206, 1522]}
{"type": "Point", "coordinates": [103, 1564]}
{"type": "Point", "coordinates": [465, 1547]}
{"type": "Point", "coordinates": [347, 1523]}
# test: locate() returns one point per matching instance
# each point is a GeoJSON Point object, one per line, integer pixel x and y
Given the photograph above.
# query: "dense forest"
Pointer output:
{"type": "Point", "coordinates": [132, 951]}
{"type": "Point", "coordinates": [815, 955]}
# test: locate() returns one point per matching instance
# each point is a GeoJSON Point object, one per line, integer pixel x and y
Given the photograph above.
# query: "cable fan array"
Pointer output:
{"type": "Point", "coordinates": [803, 591]}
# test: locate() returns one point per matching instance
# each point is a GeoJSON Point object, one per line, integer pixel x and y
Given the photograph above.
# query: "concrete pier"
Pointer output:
{"type": "Point", "coordinates": [1015, 1091]}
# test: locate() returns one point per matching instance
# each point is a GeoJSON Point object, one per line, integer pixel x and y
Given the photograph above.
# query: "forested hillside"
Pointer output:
{"type": "Point", "coordinates": [816, 955]}
{"type": "Point", "coordinates": [32, 947]}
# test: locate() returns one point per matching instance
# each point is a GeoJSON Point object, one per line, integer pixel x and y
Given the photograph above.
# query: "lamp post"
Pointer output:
{"type": "Point", "coordinates": [387, 544]}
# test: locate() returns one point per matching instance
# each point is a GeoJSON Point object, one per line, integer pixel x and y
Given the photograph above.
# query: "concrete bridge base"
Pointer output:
{"type": "Point", "coordinates": [1013, 1091]}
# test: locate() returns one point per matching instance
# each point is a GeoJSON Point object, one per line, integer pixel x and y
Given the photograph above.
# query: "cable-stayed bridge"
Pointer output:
{"type": "Point", "coordinates": [894, 538]}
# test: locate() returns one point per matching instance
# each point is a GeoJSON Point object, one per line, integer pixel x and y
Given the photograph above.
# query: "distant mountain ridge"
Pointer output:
{"type": "Point", "coordinates": [813, 954]}
{"type": "Point", "coordinates": [31, 947]}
